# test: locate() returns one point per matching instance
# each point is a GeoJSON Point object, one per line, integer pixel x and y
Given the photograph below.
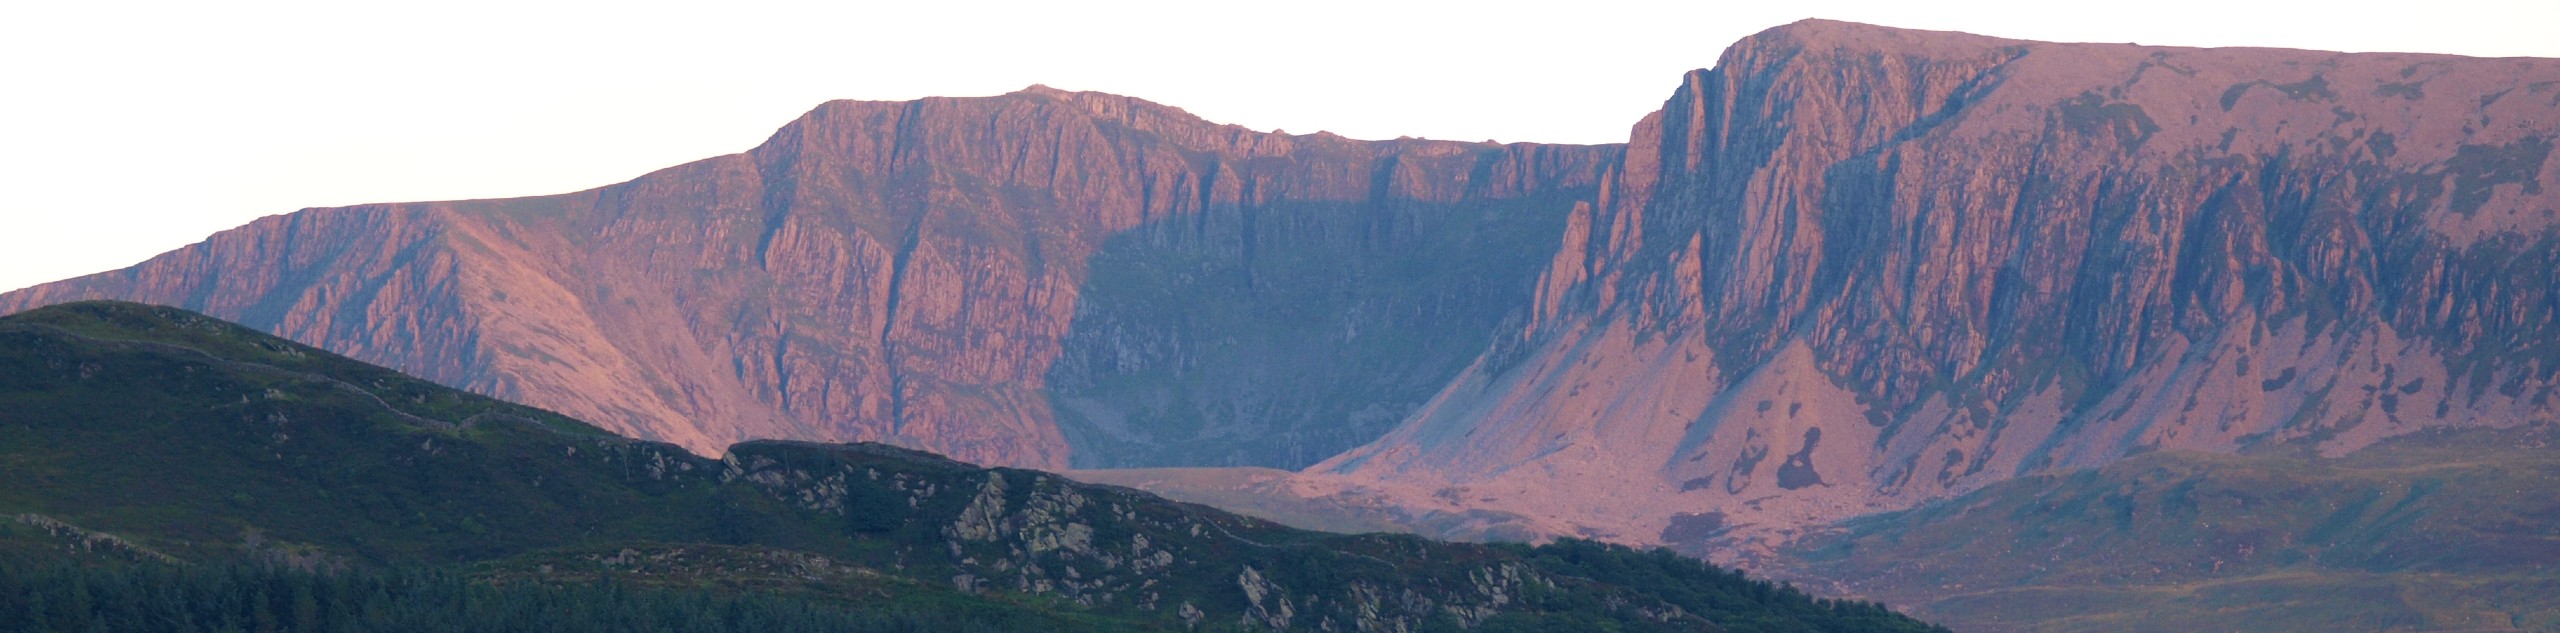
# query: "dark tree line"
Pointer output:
{"type": "Point", "coordinates": [63, 598]}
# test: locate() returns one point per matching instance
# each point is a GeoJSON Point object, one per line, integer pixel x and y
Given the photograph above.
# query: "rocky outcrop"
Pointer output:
{"type": "Point", "coordinates": [1016, 280]}
{"type": "Point", "coordinates": [1855, 268]}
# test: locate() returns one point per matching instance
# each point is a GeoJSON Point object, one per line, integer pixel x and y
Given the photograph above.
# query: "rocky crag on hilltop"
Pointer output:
{"type": "Point", "coordinates": [1849, 269]}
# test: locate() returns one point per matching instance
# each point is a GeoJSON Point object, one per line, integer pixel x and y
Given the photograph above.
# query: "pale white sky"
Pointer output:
{"type": "Point", "coordinates": [131, 128]}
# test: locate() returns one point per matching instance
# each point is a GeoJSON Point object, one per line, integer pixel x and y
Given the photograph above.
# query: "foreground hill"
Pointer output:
{"type": "Point", "coordinates": [171, 439]}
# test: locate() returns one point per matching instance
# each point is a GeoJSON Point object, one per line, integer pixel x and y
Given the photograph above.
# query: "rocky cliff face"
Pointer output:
{"type": "Point", "coordinates": [1009, 280]}
{"type": "Point", "coordinates": [1854, 268]}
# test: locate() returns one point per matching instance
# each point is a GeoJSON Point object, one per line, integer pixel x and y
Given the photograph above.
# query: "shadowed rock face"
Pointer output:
{"type": "Point", "coordinates": [918, 273]}
{"type": "Point", "coordinates": [1854, 268]}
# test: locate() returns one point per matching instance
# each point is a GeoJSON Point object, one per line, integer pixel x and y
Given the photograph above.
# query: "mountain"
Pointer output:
{"type": "Point", "coordinates": [170, 438]}
{"type": "Point", "coordinates": [2441, 530]}
{"type": "Point", "coordinates": [1033, 279]}
{"type": "Point", "coordinates": [1854, 269]}
{"type": "Point", "coordinates": [1847, 270]}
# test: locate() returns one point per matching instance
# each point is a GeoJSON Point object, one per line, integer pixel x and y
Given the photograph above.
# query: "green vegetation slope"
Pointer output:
{"type": "Point", "coordinates": [155, 452]}
{"type": "Point", "coordinates": [2441, 530]}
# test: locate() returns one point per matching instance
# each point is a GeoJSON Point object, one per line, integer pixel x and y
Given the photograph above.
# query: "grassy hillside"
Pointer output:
{"type": "Point", "coordinates": [170, 440]}
{"type": "Point", "coordinates": [2444, 530]}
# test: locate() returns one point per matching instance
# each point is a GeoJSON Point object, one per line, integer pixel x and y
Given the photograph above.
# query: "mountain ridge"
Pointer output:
{"type": "Point", "coordinates": [796, 254]}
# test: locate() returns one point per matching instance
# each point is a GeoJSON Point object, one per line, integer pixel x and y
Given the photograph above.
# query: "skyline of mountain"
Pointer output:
{"type": "Point", "coordinates": [251, 111]}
